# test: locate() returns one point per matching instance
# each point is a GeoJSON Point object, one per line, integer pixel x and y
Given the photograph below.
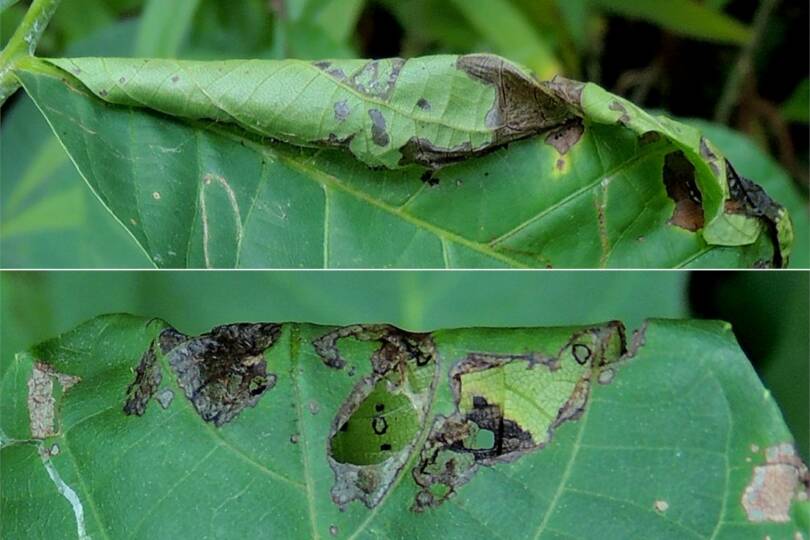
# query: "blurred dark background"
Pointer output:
{"type": "Point", "coordinates": [740, 66]}
{"type": "Point", "coordinates": [769, 311]}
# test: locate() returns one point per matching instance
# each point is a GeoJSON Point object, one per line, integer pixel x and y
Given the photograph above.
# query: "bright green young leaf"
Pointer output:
{"type": "Point", "coordinates": [123, 425]}
{"type": "Point", "coordinates": [591, 180]}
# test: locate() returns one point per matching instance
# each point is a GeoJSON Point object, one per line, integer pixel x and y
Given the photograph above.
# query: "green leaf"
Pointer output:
{"type": "Point", "coordinates": [685, 17]}
{"type": "Point", "coordinates": [604, 183]}
{"type": "Point", "coordinates": [676, 438]}
{"type": "Point", "coordinates": [47, 220]}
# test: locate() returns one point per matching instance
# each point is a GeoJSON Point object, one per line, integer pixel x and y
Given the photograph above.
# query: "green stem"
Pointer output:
{"type": "Point", "coordinates": [24, 43]}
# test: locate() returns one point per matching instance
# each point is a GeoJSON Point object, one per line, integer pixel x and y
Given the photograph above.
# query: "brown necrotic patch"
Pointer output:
{"type": "Point", "coordinates": [451, 454]}
{"type": "Point", "coordinates": [748, 198]}
{"type": "Point", "coordinates": [523, 107]}
{"type": "Point", "coordinates": [397, 364]}
{"type": "Point", "coordinates": [774, 486]}
{"type": "Point", "coordinates": [225, 370]}
{"type": "Point", "coordinates": [565, 137]}
{"type": "Point", "coordinates": [147, 380]}
{"type": "Point", "coordinates": [378, 133]}
{"type": "Point", "coordinates": [41, 400]}
{"type": "Point", "coordinates": [679, 181]}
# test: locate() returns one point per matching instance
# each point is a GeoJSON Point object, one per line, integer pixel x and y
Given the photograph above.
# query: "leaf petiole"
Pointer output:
{"type": "Point", "coordinates": [24, 43]}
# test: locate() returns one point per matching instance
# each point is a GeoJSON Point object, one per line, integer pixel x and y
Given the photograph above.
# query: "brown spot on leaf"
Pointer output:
{"type": "Point", "coordinates": [679, 180]}
{"type": "Point", "coordinates": [147, 380]}
{"type": "Point", "coordinates": [565, 137]}
{"type": "Point", "coordinates": [378, 133]}
{"type": "Point", "coordinates": [223, 371]}
{"type": "Point", "coordinates": [41, 403]}
{"type": "Point", "coordinates": [523, 106]}
{"type": "Point", "coordinates": [423, 104]}
{"type": "Point", "coordinates": [175, 78]}
{"type": "Point", "coordinates": [774, 485]}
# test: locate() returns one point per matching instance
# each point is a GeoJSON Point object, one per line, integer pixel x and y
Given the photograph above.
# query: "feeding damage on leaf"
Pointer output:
{"type": "Point", "coordinates": [378, 425]}
{"type": "Point", "coordinates": [775, 485]}
{"type": "Point", "coordinates": [749, 199]}
{"type": "Point", "coordinates": [41, 400]}
{"type": "Point", "coordinates": [220, 372]}
{"type": "Point", "coordinates": [679, 181]}
{"type": "Point", "coordinates": [509, 405]}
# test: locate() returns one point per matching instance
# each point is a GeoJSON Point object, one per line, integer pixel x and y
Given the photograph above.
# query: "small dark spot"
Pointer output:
{"type": "Point", "coordinates": [560, 164]}
{"type": "Point", "coordinates": [379, 424]}
{"type": "Point", "coordinates": [581, 353]}
{"type": "Point", "coordinates": [379, 407]}
{"type": "Point", "coordinates": [323, 64]}
{"type": "Point", "coordinates": [378, 133]}
{"type": "Point", "coordinates": [352, 371]}
{"type": "Point", "coordinates": [294, 438]}
{"type": "Point", "coordinates": [102, 93]}
{"type": "Point", "coordinates": [423, 104]}
{"type": "Point", "coordinates": [486, 174]}
{"type": "Point", "coordinates": [385, 447]}
{"type": "Point", "coordinates": [429, 177]}
{"type": "Point", "coordinates": [175, 79]}
{"type": "Point", "coordinates": [479, 402]}
{"type": "Point", "coordinates": [122, 80]}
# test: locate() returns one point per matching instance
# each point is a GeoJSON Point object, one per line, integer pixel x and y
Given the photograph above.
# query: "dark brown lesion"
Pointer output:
{"type": "Point", "coordinates": [681, 186]}
{"type": "Point", "coordinates": [523, 108]}
{"type": "Point", "coordinates": [448, 460]}
{"type": "Point", "coordinates": [147, 380]}
{"type": "Point", "coordinates": [223, 371]}
{"type": "Point", "coordinates": [396, 346]}
{"type": "Point", "coordinates": [749, 199]}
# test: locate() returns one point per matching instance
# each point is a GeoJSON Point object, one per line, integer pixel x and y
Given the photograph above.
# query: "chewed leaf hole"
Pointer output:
{"type": "Point", "coordinates": [679, 180]}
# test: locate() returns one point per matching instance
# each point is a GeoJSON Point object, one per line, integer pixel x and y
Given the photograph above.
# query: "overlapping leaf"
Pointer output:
{"type": "Point", "coordinates": [678, 440]}
{"type": "Point", "coordinates": [594, 182]}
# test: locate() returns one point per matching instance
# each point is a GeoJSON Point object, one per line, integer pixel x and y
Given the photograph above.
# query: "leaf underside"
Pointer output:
{"type": "Point", "coordinates": [525, 174]}
{"type": "Point", "coordinates": [115, 428]}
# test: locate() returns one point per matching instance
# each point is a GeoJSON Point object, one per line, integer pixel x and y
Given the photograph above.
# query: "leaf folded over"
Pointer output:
{"type": "Point", "coordinates": [119, 427]}
{"type": "Point", "coordinates": [592, 165]}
